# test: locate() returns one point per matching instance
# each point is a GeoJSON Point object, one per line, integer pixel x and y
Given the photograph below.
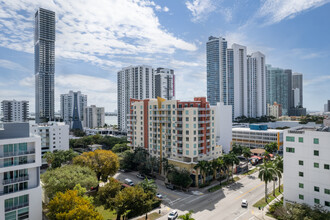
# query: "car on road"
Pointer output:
{"type": "Point", "coordinates": [244, 203]}
{"type": "Point", "coordinates": [173, 215]}
{"type": "Point", "coordinates": [159, 196]}
{"type": "Point", "coordinates": [169, 186]}
{"type": "Point", "coordinates": [129, 182]}
{"type": "Point", "coordinates": [140, 176]}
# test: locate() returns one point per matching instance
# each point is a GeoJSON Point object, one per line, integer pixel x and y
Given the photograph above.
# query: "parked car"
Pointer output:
{"type": "Point", "coordinates": [140, 176]}
{"type": "Point", "coordinates": [129, 182]}
{"type": "Point", "coordinates": [173, 215]}
{"type": "Point", "coordinates": [244, 203]}
{"type": "Point", "coordinates": [159, 196]}
{"type": "Point", "coordinates": [170, 186]}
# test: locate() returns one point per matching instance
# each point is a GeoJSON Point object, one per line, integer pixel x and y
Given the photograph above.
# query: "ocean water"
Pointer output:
{"type": "Point", "coordinates": [111, 120]}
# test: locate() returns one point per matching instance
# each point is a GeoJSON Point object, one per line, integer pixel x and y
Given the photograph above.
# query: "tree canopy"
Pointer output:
{"type": "Point", "coordinates": [108, 142]}
{"type": "Point", "coordinates": [57, 158]}
{"type": "Point", "coordinates": [180, 178]}
{"type": "Point", "coordinates": [108, 192]}
{"type": "Point", "coordinates": [71, 206]}
{"type": "Point", "coordinates": [66, 178]}
{"type": "Point", "coordinates": [104, 162]}
{"type": "Point", "coordinates": [120, 148]}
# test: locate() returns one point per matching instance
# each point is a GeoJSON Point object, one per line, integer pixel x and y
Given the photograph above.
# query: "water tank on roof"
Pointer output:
{"type": "Point", "coordinates": [258, 127]}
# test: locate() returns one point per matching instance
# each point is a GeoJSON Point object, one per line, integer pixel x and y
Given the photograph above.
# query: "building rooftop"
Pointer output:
{"type": "Point", "coordinates": [258, 131]}
{"type": "Point", "coordinates": [301, 129]}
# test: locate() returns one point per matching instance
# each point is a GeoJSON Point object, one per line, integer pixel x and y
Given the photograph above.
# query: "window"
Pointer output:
{"type": "Point", "coordinates": [301, 174]}
{"type": "Point", "coordinates": [326, 203]}
{"type": "Point", "coordinates": [187, 118]}
{"type": "Point", "coordinates": [194, 112]}
{"type": "Point", "coordinates": [316, 141]}
{"type": "Point", "coordinates": [187, 145]}
{"type": "Point", "coordinates": [187, 125]}
{"type": "Point", "coordinates": [301, 140]}
{"type": "Point", "coordinates": [316, 153]}
{"type": "Point", "coordinates": [316, 165]}
{"type": "Point", "coordinates": [327, 191]}
{"type": "Point", "coordinates": [195, 145]}
{"type": "Point", "coordinates": [195, 125]}
{"type": "Point", "coordinates": [187, 152]}
{"type": "Point", "coordinates": [301, 162]}
{"type": "Point", "coordinates": [316, 189]}
{"type": "Point", "coordinates": [187, 112]}
{"type": "Point", "coordinates": [316, 201]}
{"type": "Point", "coordinates": [290, 149]}
{"type": "Point", "coordinates": [289, 139]}
{"type": "Point", "coordinates": [195, 152]}
{"type": "Point", "coordinates": [301, 185]}
{"type": "Point", "coordinates": [301, 197]}
{"type": "Point", "coordinates": [326, 166]}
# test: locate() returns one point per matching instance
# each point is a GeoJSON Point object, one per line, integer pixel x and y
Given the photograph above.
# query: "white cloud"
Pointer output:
{"type": "Point", "coordinates": [92, 30]}
{"type": "Point", "coordinates": [277, 10]}
{"type": "Point", "coordinates": [12, 66]}
{"type": "Point", "coordinates": [200, 9]}
{"type": "Point", "coordinates": [166, 9]}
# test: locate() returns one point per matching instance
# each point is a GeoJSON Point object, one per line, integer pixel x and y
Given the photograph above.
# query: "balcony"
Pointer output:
{"type": "Point", "coordinates": [202, 122]}
{"type": "Point", "coordinates": [200, 135]}
{"type": "Point", "coordinates": [17, 153]}
{"type": "Point", "coordinates": [201, 128]}
{"type": "Point", "coordinates": [15, 180]}
{"type": "Point", "coordinates": [25, 204]}
{"type": "Point", "coordinates": [17, 163]}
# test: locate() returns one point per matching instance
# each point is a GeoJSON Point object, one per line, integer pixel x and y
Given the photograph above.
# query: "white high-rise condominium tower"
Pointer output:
{"type": "Point", "coordinates": [256, 85]}
{"type": "Point", "coordinates": [235, 78]}
{"type": "Point", "coordinates": [44, 64]}
{"type": "Point", "coordinates": [135, 82]}
{"type": "Point", "coordinates": [15, 111]}
{"type": "Point", "coordinates": [164, 83]}
{"type": "Point", "coordinates": [72, 109]}
{"type": "Point", "coordinates": [20, 159]}
{"type": "Point", "coordinates": [94, 116]}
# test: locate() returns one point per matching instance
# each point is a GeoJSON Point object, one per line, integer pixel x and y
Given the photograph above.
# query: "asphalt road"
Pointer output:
{"type": "Point", "coordinates": [222, 204]}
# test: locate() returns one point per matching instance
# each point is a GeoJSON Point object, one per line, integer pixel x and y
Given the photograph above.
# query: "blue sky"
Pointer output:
{"type": "Point", "coordinates": [95, 39]}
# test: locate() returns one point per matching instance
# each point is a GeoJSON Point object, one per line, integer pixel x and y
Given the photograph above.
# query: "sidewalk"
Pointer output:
{"type": "Point", "coordinates": [261, 214]}
{"type": "Point", "coordinates": [164, 210]}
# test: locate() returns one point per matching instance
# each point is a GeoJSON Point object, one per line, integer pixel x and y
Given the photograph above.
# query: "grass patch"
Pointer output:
{"type": "Point", "coordinates": [217, 187]}
{"type": "Point", "coordinates": [107, 214]}
{"type": "Point", "coordinates": [251, 171]}
{"type": "Point", "coordinates": [151, 216]}
{"type": "Point", "coordinates": [262, 203]}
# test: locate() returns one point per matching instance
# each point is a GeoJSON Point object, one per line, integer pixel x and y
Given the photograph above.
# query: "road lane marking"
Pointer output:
{"type": "Point", "coordinates": [167, 193]}
{"type": "Point", "coordinates": [241, 215]}
{"type": "Point", "coordinates": [249, 191]}
{"type": "Point", "coordinates": [196, 198]}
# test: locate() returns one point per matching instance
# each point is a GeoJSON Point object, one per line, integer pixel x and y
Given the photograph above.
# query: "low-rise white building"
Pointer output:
{"type": "Point", "coordinates": [54, 136]}
{"type": "Point", "coordinates": [257, 136]}
{"type": "Point", "coordinates": [307, 166]}
{"type": "Point", "coordinates": [223, 125]}
{"type": "Point", "coordinates": [20, 190]}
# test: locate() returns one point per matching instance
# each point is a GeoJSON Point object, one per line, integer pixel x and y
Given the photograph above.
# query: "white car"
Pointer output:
{"type": "Point", "coordinates": [173, 215]}
{"type": "Point", "coordinates": [244, 203]}
{"type": "Point", "coordinates": [159, 196]}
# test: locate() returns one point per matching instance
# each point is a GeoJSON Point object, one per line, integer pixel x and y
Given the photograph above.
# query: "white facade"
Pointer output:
{"type": "Point", "coordinates": [223, 125]}
{"type": "Point", "coordinates": [240, 80]}
{"type": "Point", "coordinates": [15, 111]}
{"type": "Point", "coordinates": [274, 110]}
{"type": "Point", "coordinates": [257, 138]}
{"type": "Point", "coordinates": [72, 107]}
{"type": "Point", "coordinates": [94, 116]}
{"type": "Point", "coordinates": [133, 82]}
{"type": "Point", "coordinates": [307, 166]}
{"type": "Point", "coordinates": [54, 136]}
{"type": "Point", "coordinates": [256, 85]}
{"type": "Point", "coordinates": [20, 190]}
{"type": "Point", "coordinates": [164, 83]}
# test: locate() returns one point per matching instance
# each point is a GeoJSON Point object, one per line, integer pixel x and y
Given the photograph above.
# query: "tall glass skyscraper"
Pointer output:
{"type": "Point", "coordinates": [216, 55]}
{"type": "Point", "coordinates": [44, 64]}
{"type": "Point", "coordinates": [279, 87]}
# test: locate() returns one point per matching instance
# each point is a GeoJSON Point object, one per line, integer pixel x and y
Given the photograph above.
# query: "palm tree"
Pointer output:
{"type": "Point", "coordinates": [237, 149]}
{"type": "Point", "coordinates": [228, 162]}
{"type": "Point", "coordinates": [215, 166]}
{"type": "Point", "coordinates": [230, 159]}
{"type": "Point", "coordinates": [246, 154]}
{"type": "Point", "coordinates": [186, 216]}
{"type": "Point", "coordinates": [202, 167]}
{"type": "Point", "coordinates": [149, 186]}
{"type": "Point", "coordinates": [266, 174]}
{"type": "Point", "coordinates": [271, 148]}
{"type": "Point", "coordinates": [279, 168]}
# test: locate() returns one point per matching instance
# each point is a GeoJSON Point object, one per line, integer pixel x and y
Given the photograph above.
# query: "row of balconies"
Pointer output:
{"type": "Point", "coordinates": [15, 180]}
{"type": "Point", "coordinates": [17, 153]}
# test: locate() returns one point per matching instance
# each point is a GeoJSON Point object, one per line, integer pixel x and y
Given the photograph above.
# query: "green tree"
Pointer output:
{"type": "Point", "coordinates": [271, 148]}
{"type": "Point", "coordinates": [246, 154]}
{"type": "Point", "coordinates": [66, 178]}
{"type": "Point", "coordinates": [57, 158]}
{"type": "Point", "coordinates": [104, 162]}
{"type": "Point", "coordinates": [230, 160]}
{"type": "Point", "coordinates": [278, 162]}
{"type": "Point", "coordinates": [266, 174]}
{"type": "Point", "coordinates": [148, 186]}
{"type": "Point", "coordinates": [133, 199]}
{"type": "Point", "coordinates": [71, 206]}
{"type": "Point", "coordinates": [186, 216]}
{"type": "Point", "coordinates": [120, 148]}
{"type": "Point", "coordinates": [108, 192]}
{"type": "Point", "coordinates": [202, 166]}
{"type": "Point", "coordinates": [237, 149]}
{"type": "Point", "coordinates": [180, 178]}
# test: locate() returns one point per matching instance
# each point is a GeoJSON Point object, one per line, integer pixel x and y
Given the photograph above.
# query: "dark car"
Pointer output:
{"type": "Point", "coordinates": [170, 186]}
{"type": "Point", "coordinates": [140, 176]}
